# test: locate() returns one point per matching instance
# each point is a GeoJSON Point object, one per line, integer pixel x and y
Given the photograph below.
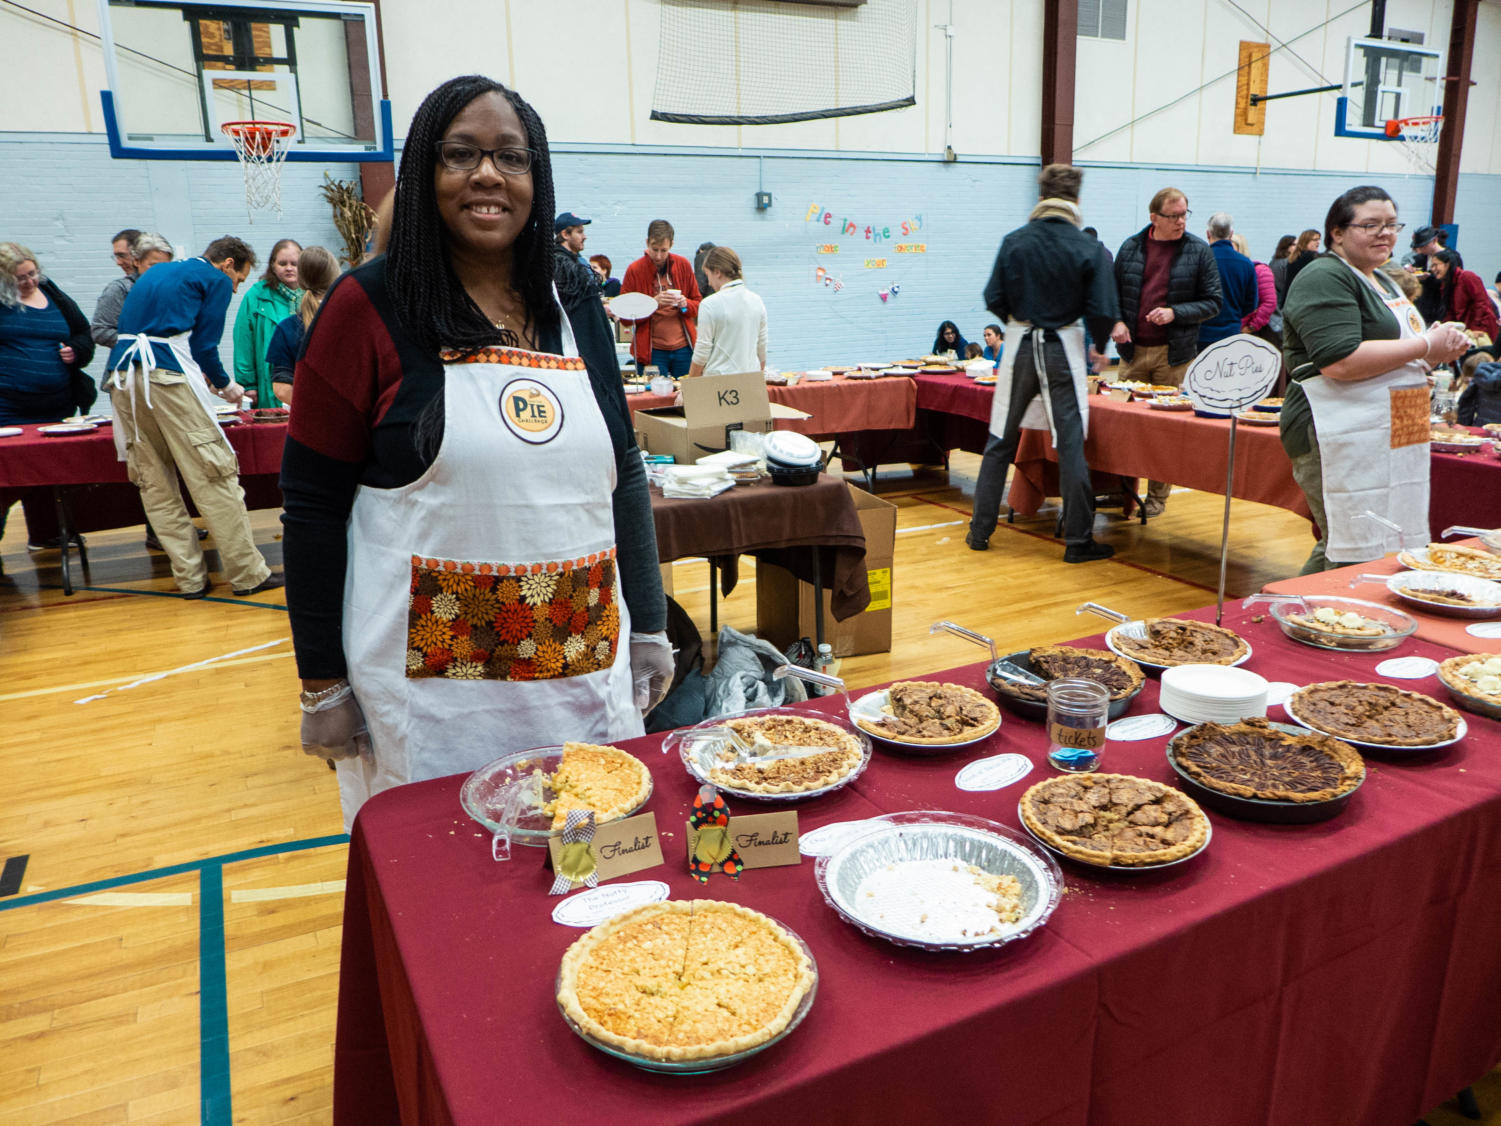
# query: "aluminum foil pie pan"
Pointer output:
{"type": "Point", "coordinates": [1258, 809]}
{"type": "Point", "coordinates": [699, 755]}
{"type": "Point", "coordinates": [898, 839]}
{"type": "Point", "coordinates": [715, 1063]}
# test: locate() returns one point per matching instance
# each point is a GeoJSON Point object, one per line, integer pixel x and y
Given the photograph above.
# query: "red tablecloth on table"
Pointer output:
{"type": "Point", "coordinates": [33, 458]}
{"type": "Point", "coordinates": [1437, 628]}
{"type": "Point", "coordinates": [1335, 973]}
{"type": "Point", "coordinates": [1464, 489]}
{"type": "Point", "coordinates": [837, 406]}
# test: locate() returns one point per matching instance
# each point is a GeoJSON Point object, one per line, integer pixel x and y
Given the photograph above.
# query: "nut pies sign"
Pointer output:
{"type": "Point", "coordinates": [531, 411]}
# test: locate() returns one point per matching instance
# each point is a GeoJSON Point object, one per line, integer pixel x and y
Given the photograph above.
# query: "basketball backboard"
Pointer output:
{"type": "Point", "coordinates": [178, 71]}
{"type": "Point", "coordinates": [1386, 80]}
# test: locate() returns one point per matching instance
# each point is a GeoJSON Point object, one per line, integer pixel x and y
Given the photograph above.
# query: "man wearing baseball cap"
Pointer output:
{"type": "Point", "coordinates": [574, 274]}
{"type": "Point", "coordinates": [1426, 242]}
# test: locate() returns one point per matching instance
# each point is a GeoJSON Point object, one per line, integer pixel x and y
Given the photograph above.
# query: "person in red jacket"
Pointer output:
{"type": "Point", "coordinates": [665, 338]}
{"type": "Point", "coordinates": [1464, 297]}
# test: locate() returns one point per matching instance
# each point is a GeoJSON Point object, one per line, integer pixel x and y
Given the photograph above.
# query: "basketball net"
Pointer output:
{"type": "Point", "coordinates": [1418, 138]}
{"type": "Point", "coordinates": [262, 149]}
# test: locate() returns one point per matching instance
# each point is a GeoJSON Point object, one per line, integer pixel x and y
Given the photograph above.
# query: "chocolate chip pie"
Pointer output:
{"type": "Point", "coordinates": [1114, 820]}
{"type": "Point", "coordinates": [926, 712]}
{"type": "Point", "coordinates": [1374, 713]}
{"type": "Point", "coordinates": [1253, 759]}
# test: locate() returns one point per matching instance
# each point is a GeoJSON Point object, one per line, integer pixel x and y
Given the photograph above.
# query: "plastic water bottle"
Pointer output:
{"type": "Point", "coordinates": [823, 663]}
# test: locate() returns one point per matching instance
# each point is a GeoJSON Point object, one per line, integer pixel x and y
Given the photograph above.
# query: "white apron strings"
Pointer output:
{"type": "Point", "coordinates": [1038, 414]}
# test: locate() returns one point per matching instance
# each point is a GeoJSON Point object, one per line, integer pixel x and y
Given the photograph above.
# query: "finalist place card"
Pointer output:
{"type": "Point", "coordinates": [620, 847]}
{"type": "Point", "coordinates": [764, 840]}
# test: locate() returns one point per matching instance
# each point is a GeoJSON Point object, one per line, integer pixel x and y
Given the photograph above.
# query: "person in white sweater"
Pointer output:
{"type": "Point", "coordinates": [731, 322]}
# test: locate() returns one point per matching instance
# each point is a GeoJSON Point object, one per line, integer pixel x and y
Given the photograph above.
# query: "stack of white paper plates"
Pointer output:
{"type": "Point", "coordinates": [1212, 694]}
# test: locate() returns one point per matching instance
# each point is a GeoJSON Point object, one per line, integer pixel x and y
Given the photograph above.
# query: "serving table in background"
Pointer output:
{"type": "Point", "coordinates": [1336, 972]}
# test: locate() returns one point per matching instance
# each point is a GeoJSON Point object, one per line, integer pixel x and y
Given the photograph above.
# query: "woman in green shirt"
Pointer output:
{"type": "Point", "coordinates": [271, 300]}
{"type": "Point", "coordinates": [1355, 417]}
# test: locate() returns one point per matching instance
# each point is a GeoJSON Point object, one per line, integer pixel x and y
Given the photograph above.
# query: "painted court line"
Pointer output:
{"type": "Point", "coordinates": [182, 669]}
{"type": "Point", "coordinates": [930, 527]}
{"type": "Point", "coordinates": [291, 891]}
{"type": "Point", "coordinates": [136, 899]}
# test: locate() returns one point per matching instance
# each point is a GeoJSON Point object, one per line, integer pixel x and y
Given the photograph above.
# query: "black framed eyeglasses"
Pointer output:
{"type": "Point", "coordinates": [1174, 218]}
{"type": "Point", "coordinates": [1378, 227]}
{"type": "Point", "coordinates": [460, 156]}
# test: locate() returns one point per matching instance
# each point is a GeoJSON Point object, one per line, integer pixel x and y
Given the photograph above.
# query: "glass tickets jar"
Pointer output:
{"type": "Point", "coordinates": [1078, 711]}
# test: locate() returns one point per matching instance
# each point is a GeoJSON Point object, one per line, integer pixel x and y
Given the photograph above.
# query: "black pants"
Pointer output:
{"type": "Point", "coordinates": [1073, 471]}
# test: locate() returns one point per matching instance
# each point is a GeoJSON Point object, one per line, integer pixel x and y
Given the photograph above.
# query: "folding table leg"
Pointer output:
{"type": "Point", "coordinates": [817, 598]}
{"type": "Point", "coordinates": [713, 598]}
{"type": "Point", "coordinates": [1128, 494]}
{"type": "Point", "coordinates": [70, 538]}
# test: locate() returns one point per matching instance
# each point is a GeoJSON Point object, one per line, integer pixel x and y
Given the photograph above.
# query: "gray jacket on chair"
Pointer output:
{"type": "Point", "coordinates": [1193, 291]}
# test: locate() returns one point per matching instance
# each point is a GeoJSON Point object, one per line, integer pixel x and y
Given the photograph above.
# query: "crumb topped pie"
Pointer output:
{"type": "Point", "coordinates": [1374, 713]}
{"type": "Point", "coordinates": [1057, 662]}
{"type": "Point", "coordinates": [685, 980]}
{"type": "Point", "coordinates": [927, 712]}
{"type": "Point", "coordinates": [1114, 820]}
{"type": "Point", "coordinates": [604, 779]}
{"type": "Point", "coordinates": [1176, 641]}
{"type": "Point", "coordinates": [1253, 759]}
{"type": "Point", "coordinates": [788, 775]}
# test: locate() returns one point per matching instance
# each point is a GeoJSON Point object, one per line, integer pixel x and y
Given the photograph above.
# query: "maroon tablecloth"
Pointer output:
{"type": "Point", "coordinates": [778, 524]}
{"type": "Point", "coordinates": [1334, 973]}
{"type": "Point", "coordinates": [1464, 489]}
{"type": "Point", "coordinates": [33, 458]}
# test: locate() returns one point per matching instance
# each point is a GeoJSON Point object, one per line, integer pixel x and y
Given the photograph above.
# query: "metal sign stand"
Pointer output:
{"type": "Point", "coordinates": [1225, 377]}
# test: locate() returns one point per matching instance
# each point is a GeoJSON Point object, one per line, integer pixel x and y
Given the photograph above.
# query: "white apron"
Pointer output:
{"type": "Point", "coordinates": [134, 375]}
{"type": "Point", "coordinates": [482, 613]}
{"type": "Point", "coordinates": [1373, 442]}
{"type": "Point", "coordinates": [1039, 412]}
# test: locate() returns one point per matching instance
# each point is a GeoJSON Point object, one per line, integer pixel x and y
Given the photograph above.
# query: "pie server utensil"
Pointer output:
{"type": "Point", "coordinates": [1001, 667]}
{"type": "Point", "coordinates": [726, 738]}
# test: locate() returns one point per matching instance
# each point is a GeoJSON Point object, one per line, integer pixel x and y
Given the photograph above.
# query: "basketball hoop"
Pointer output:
{"type": "Point", "coordinates": [1418, 137]}
{"type": "Point", "coordinates": [261, 147]}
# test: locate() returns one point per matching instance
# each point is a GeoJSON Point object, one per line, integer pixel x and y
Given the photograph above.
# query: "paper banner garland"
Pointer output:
{"type": "Point", "coordinates": [711, 847]}
{"type": "Point", "coordinates": [578, 865]}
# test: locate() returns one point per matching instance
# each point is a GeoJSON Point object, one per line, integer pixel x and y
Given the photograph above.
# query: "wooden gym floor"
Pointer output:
{"type": "Point", "coordinates": [170, 954]}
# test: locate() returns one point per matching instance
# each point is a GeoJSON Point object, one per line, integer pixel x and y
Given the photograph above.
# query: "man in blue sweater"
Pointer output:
{"type": "Point", "coordinates": [168, 344]}
{"type": "Point", "coordinates": [1237, 283]}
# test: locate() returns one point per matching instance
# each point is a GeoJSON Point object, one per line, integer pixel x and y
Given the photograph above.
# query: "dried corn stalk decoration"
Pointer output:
{"type": "Point", "coordinates": [354, 219]}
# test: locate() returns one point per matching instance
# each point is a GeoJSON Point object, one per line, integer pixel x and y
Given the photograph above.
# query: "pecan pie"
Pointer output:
{"type": "Point", "coordinates": [1253, 759]}
{"type": "Point", "coordinates": [1114, 820]}
{"type": "Point", "coordinates": [685, 980]}
{"type": "Point", "coordinates": [923, 711]}
{"type": "Point", "coordinates": [1474, 674]}
{"type": "Point", "coordinates": [604, 779]}
{"type": "Point", "coordinates": [1175, 641]}
{"type": "Point", "coordinates": [1374, 713]}
{"type": "Point", "coordinates": [1057, 662]}
{"type": "Point", "coordinates": [788, 775]}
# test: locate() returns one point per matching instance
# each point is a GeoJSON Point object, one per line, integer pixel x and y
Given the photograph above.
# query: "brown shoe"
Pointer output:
{"type": "Point", "coordinates": [1154, 507]}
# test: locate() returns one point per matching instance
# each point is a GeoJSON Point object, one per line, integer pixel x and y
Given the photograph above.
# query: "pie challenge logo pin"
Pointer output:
{"type": "Point", "coordinates": [531, 411]}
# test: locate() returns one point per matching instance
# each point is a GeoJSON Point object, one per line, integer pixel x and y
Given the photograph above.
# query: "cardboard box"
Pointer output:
{"type": "Point", "coordinates": [712, 407]}
{"type": "Point", "coordinates": [784, 605]}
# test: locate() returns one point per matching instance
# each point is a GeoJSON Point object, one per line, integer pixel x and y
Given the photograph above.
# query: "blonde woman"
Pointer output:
{"type": "Point", "coordinates": [317, 269]}
{"type": "Point", "coordinates": [731, 321]}
{"type": "Point", "coordinates": [265, 305]}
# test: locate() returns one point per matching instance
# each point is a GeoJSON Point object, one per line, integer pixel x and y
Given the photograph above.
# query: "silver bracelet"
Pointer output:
{"type": "Point", "coordinates": [312, 699]}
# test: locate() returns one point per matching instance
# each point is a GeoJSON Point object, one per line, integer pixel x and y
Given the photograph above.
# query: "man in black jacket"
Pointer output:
{"type": "Point", "coordinates": [1168, 282]}
{"type": "Point", "coordinates": [1048, 275]}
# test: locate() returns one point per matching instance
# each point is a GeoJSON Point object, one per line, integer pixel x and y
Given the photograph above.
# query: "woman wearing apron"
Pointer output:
{"type": "Point", "coordinates": [1355, 417]}
{"type": "Point", "coordinates": [470, 557]}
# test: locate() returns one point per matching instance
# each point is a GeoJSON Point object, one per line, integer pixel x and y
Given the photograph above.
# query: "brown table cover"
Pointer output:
{"type": "Point", "coordinates": [778, 524]}
{"type": "Point", "coordinates": [1437, 628]}
{"type": "Point", "coordinates": [837, 406]}
{"type": "Point", "coordinates": [1342, 972]}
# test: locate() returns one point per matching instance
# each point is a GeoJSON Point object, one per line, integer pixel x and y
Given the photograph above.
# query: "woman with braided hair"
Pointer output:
{"type": "Point", "coordinates": [470, 557]}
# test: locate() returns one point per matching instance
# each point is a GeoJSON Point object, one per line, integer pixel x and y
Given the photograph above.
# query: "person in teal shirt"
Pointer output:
{"type": "Point", "coordinates": [271, 300]}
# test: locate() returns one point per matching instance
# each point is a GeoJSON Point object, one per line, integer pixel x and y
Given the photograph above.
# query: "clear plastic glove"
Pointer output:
{"type": "Point", "coordinates": [232, 392]}
{"type": "Point", "coordinates": [334, 727]}
{"type": "Point", "coordinates": [651, 668]}
{"type": "Point", "coordinates": [1445, 343]}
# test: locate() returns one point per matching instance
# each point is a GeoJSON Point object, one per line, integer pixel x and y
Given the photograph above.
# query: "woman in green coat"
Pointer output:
{"type": "Point", "coordinates": [271, 300]}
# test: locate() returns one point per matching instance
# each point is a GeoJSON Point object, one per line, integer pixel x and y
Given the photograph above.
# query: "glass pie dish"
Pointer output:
{"type": "Point", "coordinates": [700, 750]}
{"type": "Point", "coordinates": [1299, 618]}
{"type": "Point", "coordinates": [508, 796]}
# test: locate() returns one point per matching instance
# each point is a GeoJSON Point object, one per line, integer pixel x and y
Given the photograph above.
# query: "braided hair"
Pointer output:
{"type": "Point", "coordinates": [430, 300]}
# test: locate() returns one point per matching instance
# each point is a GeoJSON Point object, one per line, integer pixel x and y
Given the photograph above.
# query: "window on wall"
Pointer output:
{"type": "Point", "coordinates": [1102, 19]}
